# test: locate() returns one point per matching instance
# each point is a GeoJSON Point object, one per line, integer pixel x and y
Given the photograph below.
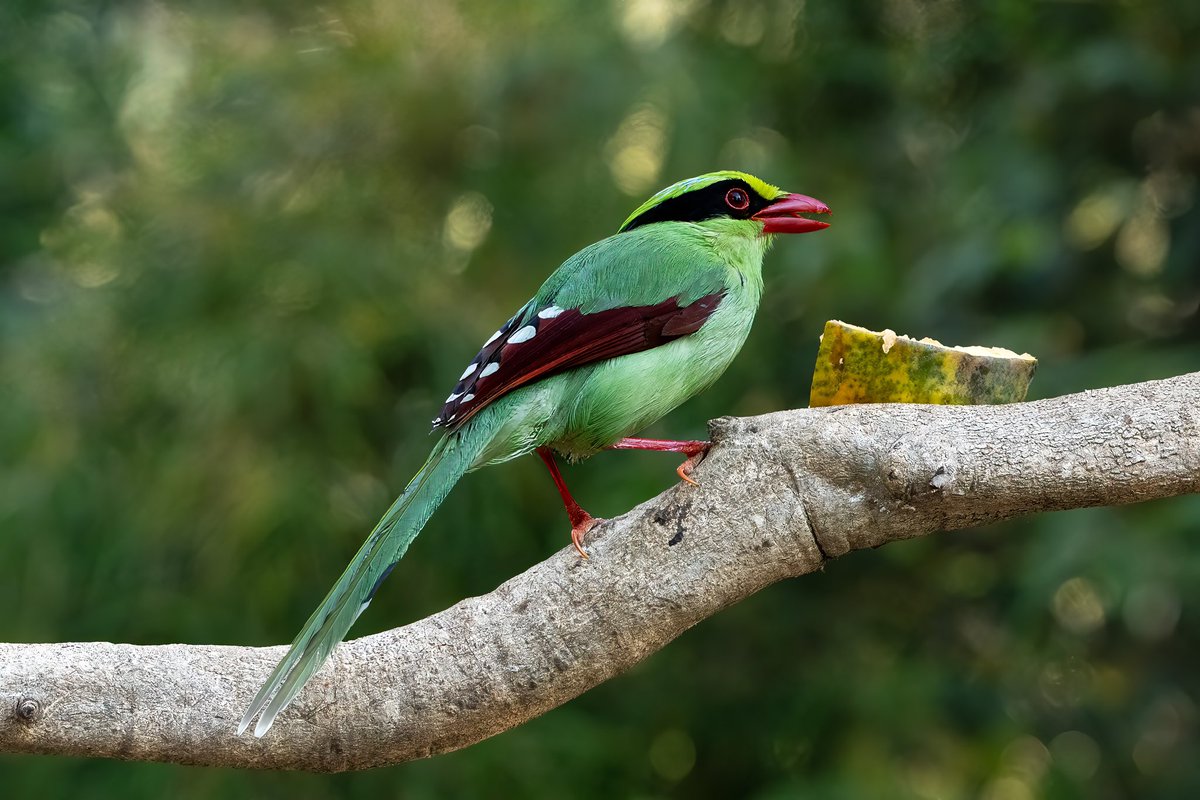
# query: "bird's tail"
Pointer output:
{"type": "Point", "coordinates": [451, 458]}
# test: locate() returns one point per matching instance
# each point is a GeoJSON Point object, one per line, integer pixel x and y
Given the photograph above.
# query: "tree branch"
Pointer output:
{"type": "Point", "coordinates": [781, 493]}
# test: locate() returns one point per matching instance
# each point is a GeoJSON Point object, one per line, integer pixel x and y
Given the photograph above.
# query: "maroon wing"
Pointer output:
{"type": "Point", "coordinates": [554, 340]}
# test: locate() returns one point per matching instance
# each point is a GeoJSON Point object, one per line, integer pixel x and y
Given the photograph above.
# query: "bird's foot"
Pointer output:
{"type": "Point", "coordinates": [580, 527]}
{"type": "Point", "coordinates": [581, 521]}
{"type": "Point", "coordinates": [694, 450]}
{"type": "Point", "coordinates": [684, 470]}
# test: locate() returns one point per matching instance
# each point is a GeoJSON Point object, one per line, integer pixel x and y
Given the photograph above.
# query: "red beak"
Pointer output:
{"type": "Point", "coordinates": [782, 216]}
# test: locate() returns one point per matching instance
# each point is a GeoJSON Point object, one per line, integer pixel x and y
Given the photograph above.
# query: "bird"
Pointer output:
{"type": "Point", "coordinates": [620, 334]}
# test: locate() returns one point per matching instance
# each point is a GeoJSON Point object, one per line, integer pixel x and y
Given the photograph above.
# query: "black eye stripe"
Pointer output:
{"type": "Point", "coordinates": [701, 204]}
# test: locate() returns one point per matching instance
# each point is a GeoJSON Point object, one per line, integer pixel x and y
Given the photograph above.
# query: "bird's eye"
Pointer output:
{"type": "Point", "coordinates": [737, 199]}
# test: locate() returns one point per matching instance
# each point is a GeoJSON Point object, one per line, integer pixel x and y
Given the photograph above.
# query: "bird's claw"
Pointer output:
{"type": "Point", "coordinates": [580, 529]}
{"type": "Point", "coordinates": [684, 470]}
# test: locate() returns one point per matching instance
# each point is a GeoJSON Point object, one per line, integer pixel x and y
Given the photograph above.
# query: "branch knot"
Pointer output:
{"type": "Point", "coordinates": [27, 709]}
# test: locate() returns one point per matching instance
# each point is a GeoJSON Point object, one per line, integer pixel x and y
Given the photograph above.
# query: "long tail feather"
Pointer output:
{"type": "Point", "coordinates": [451, 458]}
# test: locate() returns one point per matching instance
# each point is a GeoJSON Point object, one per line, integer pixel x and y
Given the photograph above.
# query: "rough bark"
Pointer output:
{"type": "Point", "coordinates": [780, 494]}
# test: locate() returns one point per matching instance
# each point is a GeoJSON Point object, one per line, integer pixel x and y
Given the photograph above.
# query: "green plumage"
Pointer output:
{"type": "Point", "coordinates": [582, 411]}
{"type": "Point", "coordinates": [576, 412]}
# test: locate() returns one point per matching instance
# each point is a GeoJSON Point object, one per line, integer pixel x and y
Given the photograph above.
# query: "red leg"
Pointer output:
{"type": "Point", "coordinates": [691, 449]}
{"type": "Point", "coordinates": [581, 521]}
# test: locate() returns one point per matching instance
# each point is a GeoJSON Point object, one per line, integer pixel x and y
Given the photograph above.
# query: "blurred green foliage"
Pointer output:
{"type": "Point", "coordinates": [246, 248]}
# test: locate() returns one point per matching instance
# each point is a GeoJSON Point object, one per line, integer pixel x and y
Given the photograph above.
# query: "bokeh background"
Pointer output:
{"type": "Point", "coordinates": [245, 248]}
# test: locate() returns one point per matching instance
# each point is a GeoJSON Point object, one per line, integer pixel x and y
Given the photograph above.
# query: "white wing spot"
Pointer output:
{"type": "Point", "coordinates": [492, 338]}
{"type": "Point", "coordinates": [549, 313]}
{"type": "Point", "coordinates": [490, 369]}
{"type": "Point", "coordinates": [437, 420]}
{"type": "Point", "coordinates": [468, 371]}
{"type": "Point", "coordinates": [468, 398]}
{"type": "Point", "coordinates": [453, 396]}
{"type": "Point", "coordinates": [523, 335]}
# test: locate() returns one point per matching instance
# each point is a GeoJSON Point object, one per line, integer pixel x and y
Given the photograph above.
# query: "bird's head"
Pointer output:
{"type": "Point", "coordinates": [731, 195]}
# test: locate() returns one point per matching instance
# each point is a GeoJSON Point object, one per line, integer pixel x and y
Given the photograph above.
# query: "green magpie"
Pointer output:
{"type": "Point", "coordinates": [618, 336]}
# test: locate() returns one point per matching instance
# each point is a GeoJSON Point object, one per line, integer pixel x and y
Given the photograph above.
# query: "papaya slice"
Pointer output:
{"type": "Point", "coordinates": [856, 365]}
